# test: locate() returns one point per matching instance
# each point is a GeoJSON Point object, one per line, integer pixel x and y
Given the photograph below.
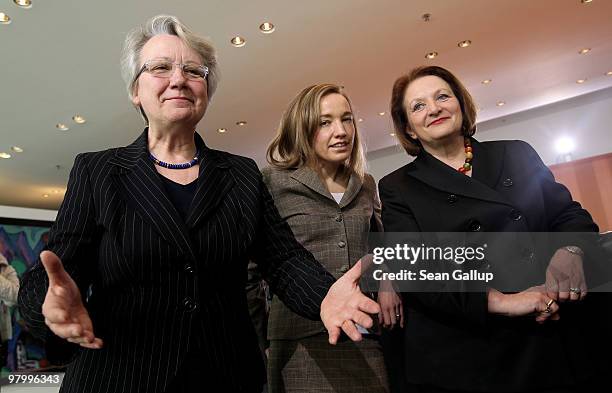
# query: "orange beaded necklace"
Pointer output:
{"type": "Point", "coordinates": [467, 166]}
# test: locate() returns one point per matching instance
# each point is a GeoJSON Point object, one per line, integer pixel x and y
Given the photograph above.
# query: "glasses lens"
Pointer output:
{"type": "Point", "coordinates": [159, 67]}
{"type": "Point", "coordinates": [193, 71]}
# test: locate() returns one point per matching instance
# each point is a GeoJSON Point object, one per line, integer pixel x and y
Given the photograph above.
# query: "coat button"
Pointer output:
{"type": "Point", "coordinates": [189, 304]}
{"type": "Point", "coordinates": [338, 218]}
{"type": "Point", "coordinates": [452, 198]}
{"type": "Point", "coordinates": [508, 182]}
{"type": "Point", "coordinates": [341, 244]}
{"type": "Point", "coordinates": [188, 268]}
{"type": "Point", "coordinates": [515, 215]}
{"type": "Point", "coordinates": [474, 226]}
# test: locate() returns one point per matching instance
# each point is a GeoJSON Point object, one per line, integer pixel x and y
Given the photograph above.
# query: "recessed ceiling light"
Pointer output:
{"type": "Point", "coordinates": [221, 130]}
{"type": "Point", "coordinates": [360, 120]}
{"type": "Point", "coordinates": [4, 19]}
{"type": "Point", "coordinates": [56, 191]}
{"type": "Point", "coordinates": [584, 51]}
{"type": "Point", "coordinates": [61, 127]}
{"type": "Point", "coordinates": [45, 195]}
{"type": "Point", "coordinates": [585, 1]}
{"type": "Point", "coordinates": [431, 55]}
{"type": "Point", "coordinates": [241, 123]}
{"type": "Point", "coordinates": [238, 41]}
{"type": "Point", "coordinates": [17, 149]}
{"type": "Point", "coordinates": [609, 73]}
{"type": "Point", "coordinates": [23, 3]}
{"type": "Point", "coordinates": [500, 103]}
{"type": "Point", "coordinates": [267, 27]}
{"type": "Point", "coordinates": [5, 155]}
{"type": "Point", "coordinates": [426, 17]}
{"type": "Point", "coordinates": [581, 81]}
{"type": "Point", "coordinates": [392, 133]}
{"type": "Point", "coordinates": [464, 44]}
{"type": "Point", "coordinates": [78, 119]}
{"type": "Point", "coordinates": [381, 113]}
{"type": "Point", "coordinates": [486, 81]}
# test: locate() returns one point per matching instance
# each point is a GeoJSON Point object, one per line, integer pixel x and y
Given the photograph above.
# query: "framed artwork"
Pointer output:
{"type": "Point", "coordinates": [21, 241]}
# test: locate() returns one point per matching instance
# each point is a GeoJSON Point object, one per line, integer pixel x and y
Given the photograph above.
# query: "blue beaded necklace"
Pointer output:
{"type": "Point", "coordinates": [176, 166]}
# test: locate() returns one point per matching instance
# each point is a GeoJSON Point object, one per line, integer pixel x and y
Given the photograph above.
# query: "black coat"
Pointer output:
{"type": "Point", "coordinates": [450, 340]}
{"type": "Point", "coordinates": [161, 285]}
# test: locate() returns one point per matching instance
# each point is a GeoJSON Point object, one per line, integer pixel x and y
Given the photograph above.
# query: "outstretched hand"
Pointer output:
{"type": "Point", "coordinates": [345, 305]}
{"type": "Point", "coordinates": [63, 307]}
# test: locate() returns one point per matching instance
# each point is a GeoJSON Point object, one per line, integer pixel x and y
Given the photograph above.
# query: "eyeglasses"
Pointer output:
{"type": "Point", "coordinates": [161, 68]}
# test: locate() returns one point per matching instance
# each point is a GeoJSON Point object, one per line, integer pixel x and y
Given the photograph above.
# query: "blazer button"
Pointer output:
{"type": "Point", "coordinates": [190, 304]}
{"type": "Point", "coordinates": [515, 215]}
{"type": "Point", "coordinates": [188, 268]}
{"type": "Point", "coordinates": [341, 244]}
{"type": "Point", "coordinates": [452, 198]}
{"type": "Point", "coordinates": [508, 182]}
{"type": "Point", "coordinates": [474, 226]}
{"type": "Point", "coordinates": [339, 218]}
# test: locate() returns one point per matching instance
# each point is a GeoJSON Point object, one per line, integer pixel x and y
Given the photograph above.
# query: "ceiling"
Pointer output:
{"type": "Point", "coordinates": [61, 58]}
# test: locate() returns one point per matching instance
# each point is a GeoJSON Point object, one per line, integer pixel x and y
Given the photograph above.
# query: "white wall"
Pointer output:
{"type": "Point", "coordinates": [587, 119]}
{"type": "Point", "coordinates": [27, 213]}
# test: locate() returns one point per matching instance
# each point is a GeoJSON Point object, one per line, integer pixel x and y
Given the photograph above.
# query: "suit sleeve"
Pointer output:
{"type": "Point", "coordinates": [467, 307]}
{"type": "Point", "coordinates": [293, 274]}
{"type": "Point", "coordinates": [563, 214]}
{"type": "Point", "coordinates": [74, 239]}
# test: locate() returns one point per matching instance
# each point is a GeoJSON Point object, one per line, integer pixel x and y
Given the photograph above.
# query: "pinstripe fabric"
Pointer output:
{"type": "Point", "coordinates": [161, 285]}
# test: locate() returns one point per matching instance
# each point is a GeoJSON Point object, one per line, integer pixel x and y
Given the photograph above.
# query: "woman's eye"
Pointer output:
{"type": "Point", "coordinates": [418, 107]}
{"type": "Point", "coordinates": [443, 97]}
{"type": "Point", "coordinates": [325, 123]}
{"type": "Point", "coordinates": [160, 67]}
{"type": "Point", "coordinates": [348, 119]}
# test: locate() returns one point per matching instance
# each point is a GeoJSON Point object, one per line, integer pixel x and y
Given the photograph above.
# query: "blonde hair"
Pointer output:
{"type": "Point", "coordinates": [292, 147]}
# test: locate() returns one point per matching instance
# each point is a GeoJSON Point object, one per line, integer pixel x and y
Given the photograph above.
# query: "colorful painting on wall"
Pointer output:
{"type": "Point", "coordinates": [21, 241]}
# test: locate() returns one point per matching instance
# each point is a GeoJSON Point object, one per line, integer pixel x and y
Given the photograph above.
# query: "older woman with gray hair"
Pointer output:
{"type": "Point", "coordinates": [9, 286]}
{"type": "Point", "coordinates": [159, 233]}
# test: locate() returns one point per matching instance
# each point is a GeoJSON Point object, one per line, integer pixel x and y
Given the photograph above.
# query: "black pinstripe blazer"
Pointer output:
{"type": "Point", "coordinates": [161, 285]}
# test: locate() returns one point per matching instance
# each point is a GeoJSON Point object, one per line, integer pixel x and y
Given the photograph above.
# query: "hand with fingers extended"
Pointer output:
{"type": "Point", "coordinates": [533, 301]}
{"type": "Point", "coordinates": [391, 309]}
{"type": "Point", "coordinates": [344, 305]}
{"type": "Point", "coordinates": [565, 275]}
{"type": "Point", "coordinates": [63, 307]}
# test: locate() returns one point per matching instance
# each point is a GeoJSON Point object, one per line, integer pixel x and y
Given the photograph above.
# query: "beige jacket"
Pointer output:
{"type": "Point", "coordinates": [9, 287]}
{"type": "Point", "coordinates": [336, 234]}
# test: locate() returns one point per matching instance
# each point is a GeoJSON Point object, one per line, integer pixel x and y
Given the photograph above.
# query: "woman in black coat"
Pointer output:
{"type": "Point", "coordinates": [488, 340]}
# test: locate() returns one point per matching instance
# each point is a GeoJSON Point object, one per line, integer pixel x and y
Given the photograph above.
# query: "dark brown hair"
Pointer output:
{"type": "Point", "coordinates": [399, 113]}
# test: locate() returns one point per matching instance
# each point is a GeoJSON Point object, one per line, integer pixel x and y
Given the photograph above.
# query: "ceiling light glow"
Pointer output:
{"type": "Point", "coordinates": [78, 119]}
{"type": "Point", "coordinates": [61, 127]}
{"type": "Point", "coordinates": [464, 44]}
{"type": "Point", "coordinates": [221, 130]}
{"type": "Point", "coordinates": [4, 19]}
{"type": "Point", "coordinates": [267, 28]}
{"type": "Point", "coordinates": [5, 155]}
{"type": "Point", "coordinates": [431, 55]}
{"type": "Point", "coordinates": [564, 145]}
{"type": "Point", "coordinates": [238, 41]}
{"type": "Point", "coordinates": [23, 3]}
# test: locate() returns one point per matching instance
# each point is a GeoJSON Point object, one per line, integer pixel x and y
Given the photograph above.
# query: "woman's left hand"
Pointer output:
{"type": "Point", "coordinates": [391, 309]}
{"type": "Point", "coordinates": [565, 276]}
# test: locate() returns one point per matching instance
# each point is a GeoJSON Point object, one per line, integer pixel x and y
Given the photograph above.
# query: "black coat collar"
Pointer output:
{"type": "Point", "coordinates": [139, 183]}
{"type": "Point", "coordinates": [487, 168]}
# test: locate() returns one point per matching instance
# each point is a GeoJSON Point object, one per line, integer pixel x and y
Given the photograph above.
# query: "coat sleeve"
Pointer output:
{"type": "Point", "coordinates": [563, 214]}
{"type": "Point", "coordinates": [74, 238]}
{"type": "Point", "coordinates": [467, 307]}
{"type": "Point", "coordinates": [293, 274]}
{"type": "Point", "coordinates": [9, 285]}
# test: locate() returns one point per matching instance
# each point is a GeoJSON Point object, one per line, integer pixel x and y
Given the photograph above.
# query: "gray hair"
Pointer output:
{"type": "Point", "coordinates": [160, 25]}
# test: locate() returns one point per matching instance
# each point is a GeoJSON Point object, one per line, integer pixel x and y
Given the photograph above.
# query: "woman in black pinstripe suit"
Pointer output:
{"type": "Point", "coordinates": [161, 232]}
